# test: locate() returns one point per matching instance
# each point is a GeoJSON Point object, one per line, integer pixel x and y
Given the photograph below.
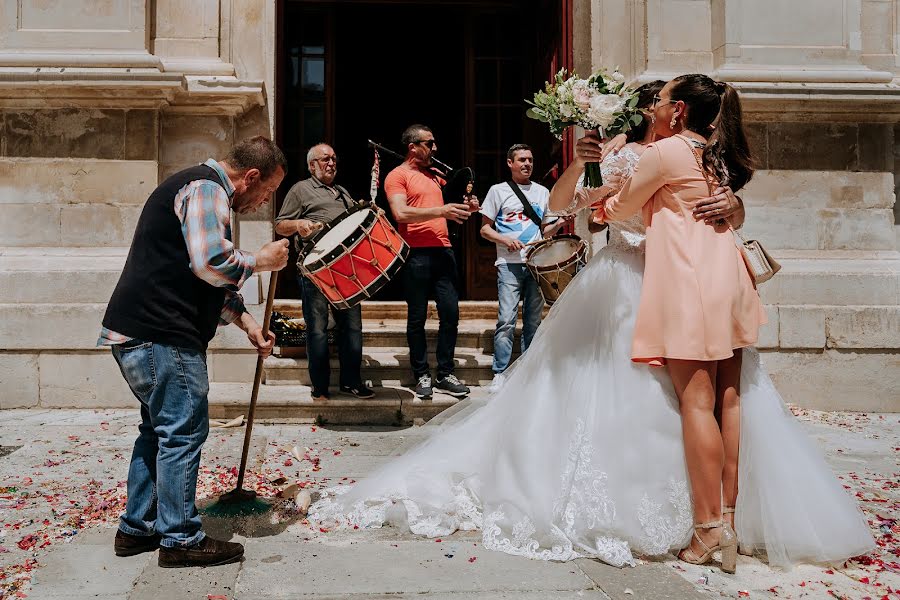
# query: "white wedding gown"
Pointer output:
{"type": "Point", "coordinates": [580, 454]}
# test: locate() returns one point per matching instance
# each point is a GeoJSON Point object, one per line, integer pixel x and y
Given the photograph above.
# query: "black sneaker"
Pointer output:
{"type": "Point", "coordinates": [208, 553]}
{"type": "Point", "coordinates": [451, 385]}
{"type": "Point", "coordinates": [126, 544]}
{"type": "Point", "coordinates": [317, 395]}
{"type": "Point", "coordinates": [423, 387]}
{"type": "Point", "coordinates": [359, 390]}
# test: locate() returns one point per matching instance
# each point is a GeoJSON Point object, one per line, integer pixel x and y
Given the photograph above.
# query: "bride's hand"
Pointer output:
{"type": "Point", "coordinates": [613, 145]}
{"type": "Point", "coordinates": [721, 205]}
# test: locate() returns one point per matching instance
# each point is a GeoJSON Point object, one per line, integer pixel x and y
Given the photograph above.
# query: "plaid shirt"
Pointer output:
{"type": "Point", "coordinates": [204, 209]}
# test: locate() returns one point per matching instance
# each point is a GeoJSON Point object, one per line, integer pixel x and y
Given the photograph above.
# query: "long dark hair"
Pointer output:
{"type": "Point", "coordinates": [715, 112]}
{"type": "Point", "coordinates": [645, 93]}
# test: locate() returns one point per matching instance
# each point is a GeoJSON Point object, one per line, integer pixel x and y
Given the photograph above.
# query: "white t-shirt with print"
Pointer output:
{"type": "Point", "coordinates": [503, 206]}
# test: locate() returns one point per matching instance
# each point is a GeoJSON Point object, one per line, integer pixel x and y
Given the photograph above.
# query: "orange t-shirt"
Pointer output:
{"type": "Point", "coordinates": [422, 190]}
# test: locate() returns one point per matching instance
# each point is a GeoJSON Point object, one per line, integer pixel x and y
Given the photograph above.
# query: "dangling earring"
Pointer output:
{"type": "Point", "coordinates": [673, 122]}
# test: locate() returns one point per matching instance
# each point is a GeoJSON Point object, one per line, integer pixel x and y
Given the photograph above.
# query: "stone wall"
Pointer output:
{"type": "Point", "coordinates": [818, 81]}
{"type": "Point", "coordinates": [91, 119]}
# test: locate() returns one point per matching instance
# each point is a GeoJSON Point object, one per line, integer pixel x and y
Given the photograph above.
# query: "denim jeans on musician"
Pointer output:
{"type": "Point", "coordinates": [172, 385]}
{"type": "Point", "coordinates": [349, 338]}
{"type": "Point", "coordinates": [431, 270]}
{"type": "Point", "coordinates": [514, 281]}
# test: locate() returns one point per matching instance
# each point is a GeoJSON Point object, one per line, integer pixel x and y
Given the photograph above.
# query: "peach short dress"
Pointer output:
{"type": "Point", "coordinates": [698, 301]}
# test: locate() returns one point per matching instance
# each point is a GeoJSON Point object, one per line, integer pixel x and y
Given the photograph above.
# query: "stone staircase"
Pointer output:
{"type": "Point", "coordinates": [286, 391]}
{"type": "Point", "coordinates": [385, 351]}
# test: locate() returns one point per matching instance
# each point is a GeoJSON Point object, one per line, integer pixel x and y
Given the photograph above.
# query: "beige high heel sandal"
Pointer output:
{"type": "Point", "coordinates": [727, 545]}
{"type": "Point", "coordinates": [726, 510]}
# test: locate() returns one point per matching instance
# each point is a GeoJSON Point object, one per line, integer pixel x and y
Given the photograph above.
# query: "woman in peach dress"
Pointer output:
{"type": "Point", "coordinates": [699, 306]}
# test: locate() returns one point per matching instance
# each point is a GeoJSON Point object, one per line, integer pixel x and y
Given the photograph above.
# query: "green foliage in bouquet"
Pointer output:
{"type": "Point", "coordinates": [601, 102]}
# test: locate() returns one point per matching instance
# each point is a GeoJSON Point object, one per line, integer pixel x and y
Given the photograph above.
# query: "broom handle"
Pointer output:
{"type": "Point", "coordinates": [270, 298]}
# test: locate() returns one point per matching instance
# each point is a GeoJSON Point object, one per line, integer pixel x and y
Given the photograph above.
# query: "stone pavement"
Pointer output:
{"type": "Point", "coordinates": [61, 489]}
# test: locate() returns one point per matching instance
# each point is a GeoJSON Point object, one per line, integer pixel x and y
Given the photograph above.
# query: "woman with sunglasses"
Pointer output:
{"type": "Point", "coordinates": [699, 314]}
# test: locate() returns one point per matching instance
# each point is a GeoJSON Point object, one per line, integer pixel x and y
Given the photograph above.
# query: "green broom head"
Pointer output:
{"type": "Point", "coordinates": [237, 502]}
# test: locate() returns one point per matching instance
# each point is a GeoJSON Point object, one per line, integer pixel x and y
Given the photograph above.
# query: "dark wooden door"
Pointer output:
{"type": "Point", "coordinates": [352, 71]}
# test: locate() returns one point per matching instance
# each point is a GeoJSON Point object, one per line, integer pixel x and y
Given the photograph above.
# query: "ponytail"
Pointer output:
{"type": "Point", "coordinates": [727, 154]}
{"type": "Point", "coordinates": [714, 110]}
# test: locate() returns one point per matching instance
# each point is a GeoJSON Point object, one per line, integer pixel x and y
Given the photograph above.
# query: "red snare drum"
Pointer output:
{"type": "Point", "coordinates": [353, 256]}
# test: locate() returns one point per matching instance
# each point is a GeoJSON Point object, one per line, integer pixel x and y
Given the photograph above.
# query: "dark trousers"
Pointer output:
{"type": "Point", "coordinates": [427, 271]}
{"type": "Point", "coordinates": [349, 338]}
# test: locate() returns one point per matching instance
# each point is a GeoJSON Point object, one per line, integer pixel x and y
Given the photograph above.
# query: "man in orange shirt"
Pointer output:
{"type": "Point", "coordinates": [417, 202]}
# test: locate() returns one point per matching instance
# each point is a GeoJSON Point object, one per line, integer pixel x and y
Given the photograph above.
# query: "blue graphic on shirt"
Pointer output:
{"type": "Point", "coordinates": [517, 225]}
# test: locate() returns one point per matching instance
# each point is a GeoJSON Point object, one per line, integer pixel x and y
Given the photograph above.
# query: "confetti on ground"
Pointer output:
{"type": "Point", "coordinates": [71, 483]}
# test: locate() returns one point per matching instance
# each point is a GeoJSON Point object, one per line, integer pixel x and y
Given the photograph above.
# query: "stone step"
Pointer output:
{"type": "Point", "coordinates": [70, 275]}
{"type": "Point", "coordinates": [75, 326]}
{"type": "Point", "coordinates": [396, 310]}
{"type": "Point", "coordinates": [88, 275]}
{"type": "Point", "coordinates": [471, 333]}
{"type": "Point", "coordinates": [392, 405]}
{"type": "Point", "coordinates": [382, 366]}
{"type": "Point", "coordinates": [834, 279]}
{"type": "Point", "coordinates": [821, 210]}
{"type": "Point", "coordinates": [72, 202]}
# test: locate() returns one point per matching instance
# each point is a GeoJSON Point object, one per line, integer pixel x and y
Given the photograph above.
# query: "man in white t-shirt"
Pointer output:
{"type": "Point", "coordinates": [507, 223]}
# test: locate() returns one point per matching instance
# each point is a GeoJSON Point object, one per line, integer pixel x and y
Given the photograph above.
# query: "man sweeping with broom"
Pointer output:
{"type": "Point", "coordinates": [179, 283]}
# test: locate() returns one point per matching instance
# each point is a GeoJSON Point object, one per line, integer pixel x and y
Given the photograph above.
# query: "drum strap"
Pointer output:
{"type": "Point", "coordinates": [527, 208]}
{"type": "Point", "coordinates": [340, 196]}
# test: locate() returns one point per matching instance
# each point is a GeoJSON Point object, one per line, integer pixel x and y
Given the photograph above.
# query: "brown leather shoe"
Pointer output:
{"type": "Point", "coordinates": [208, 553]}
{"type": "Point", "coordinates": [128, 545]}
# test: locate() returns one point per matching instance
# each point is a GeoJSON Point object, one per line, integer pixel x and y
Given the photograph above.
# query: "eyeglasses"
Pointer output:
{"type": "Point", "coordinates": [430, 143]}
{"type": "Point", "coordinates": [327, 159]}
{"type": "Point", "coordinates": [657, 100]}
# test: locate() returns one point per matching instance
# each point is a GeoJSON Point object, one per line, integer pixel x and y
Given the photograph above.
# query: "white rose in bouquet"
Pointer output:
{"type": "Point", "coordinates": [604, 108]}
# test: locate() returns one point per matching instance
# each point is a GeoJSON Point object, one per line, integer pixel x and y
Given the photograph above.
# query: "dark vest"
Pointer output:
{"type": "Point", "coordinates": [158, 297]}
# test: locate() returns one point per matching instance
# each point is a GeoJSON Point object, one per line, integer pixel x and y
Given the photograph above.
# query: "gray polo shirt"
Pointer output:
{"type": "Point", "coordinates": [313, 200]}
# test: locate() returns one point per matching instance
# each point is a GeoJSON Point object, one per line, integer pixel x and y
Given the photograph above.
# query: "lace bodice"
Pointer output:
{"type": "Point", "coordinates": [629, 234]}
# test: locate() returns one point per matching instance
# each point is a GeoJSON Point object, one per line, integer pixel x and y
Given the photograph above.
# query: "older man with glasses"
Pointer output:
{"type": "Point", "coordinates": [308, 206]}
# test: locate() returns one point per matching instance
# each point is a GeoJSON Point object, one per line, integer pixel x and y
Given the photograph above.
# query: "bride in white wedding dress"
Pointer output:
{"type": "Point", "coordinates": [580, 453]}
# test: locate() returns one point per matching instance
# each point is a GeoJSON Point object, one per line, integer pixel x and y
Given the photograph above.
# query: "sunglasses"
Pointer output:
{"type": "Point", "coordinates": [657, 100]}
{"type": "Point", "coordinates": [429, 143]}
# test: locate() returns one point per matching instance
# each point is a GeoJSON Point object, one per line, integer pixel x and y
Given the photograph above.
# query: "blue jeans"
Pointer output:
{"type": "Point", "coordinates": [171, 385]}
{"type": "Point", "coordinates": [514, 281]}
{"type": "Point", "coordinates": [349, 339]}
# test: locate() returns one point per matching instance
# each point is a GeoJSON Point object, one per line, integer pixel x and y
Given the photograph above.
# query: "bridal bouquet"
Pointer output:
{"type": "Point", "coordinates": [600, 102]}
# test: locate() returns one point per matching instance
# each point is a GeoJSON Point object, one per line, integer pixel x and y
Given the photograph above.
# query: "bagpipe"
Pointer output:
{"type": "Point", "coordinates": [440, 169]}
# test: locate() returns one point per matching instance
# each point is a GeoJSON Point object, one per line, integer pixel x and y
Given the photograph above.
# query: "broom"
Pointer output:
{"type": "Point", "coordinates": [240, 501]}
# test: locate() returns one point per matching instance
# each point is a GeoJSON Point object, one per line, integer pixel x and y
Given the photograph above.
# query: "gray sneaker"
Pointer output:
{"type": "Point", "coordinates": [423, 387]}
{"type": "Point", "coordinates": [451, 385]}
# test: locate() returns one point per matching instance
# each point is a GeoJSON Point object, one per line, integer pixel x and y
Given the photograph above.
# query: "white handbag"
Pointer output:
{"type": "Point", "coordinates": [760, 264]}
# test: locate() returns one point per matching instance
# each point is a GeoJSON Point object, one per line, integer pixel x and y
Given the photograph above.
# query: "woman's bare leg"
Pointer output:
{"type": "Point", "coordinates": [695, 386]}
{"type": "Point", "coordinates": [728, 406]}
